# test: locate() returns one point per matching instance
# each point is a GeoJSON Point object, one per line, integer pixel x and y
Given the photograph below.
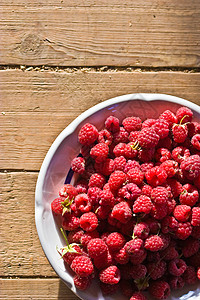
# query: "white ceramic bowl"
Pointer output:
{"type": "Point", "coordinates": [56, 166]}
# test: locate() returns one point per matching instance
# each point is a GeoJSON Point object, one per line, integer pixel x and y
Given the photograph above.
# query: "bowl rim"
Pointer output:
{"type": "Point", "coordinates": [68, 131]}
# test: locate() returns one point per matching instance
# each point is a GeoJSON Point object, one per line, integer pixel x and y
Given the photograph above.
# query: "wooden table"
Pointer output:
{"type": "Point", "coordinates": [58, 58]}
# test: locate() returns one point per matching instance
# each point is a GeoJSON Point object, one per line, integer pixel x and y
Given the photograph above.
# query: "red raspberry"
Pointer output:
{"type": "Point", "coordinates": [148, 138]}
{"type": "Point", "coordinates": [142, 204]}
{"type": "Point", "coordinates": [119, 163]}
{"type": "Point", "coordinates": [184, 230]}
{"type": "Point", "coordinates": [166, 238]}
{"type": "Point", "coordinates": [82, 283]}
{"type": "Point", "coordinates": [132, 124]}
{"type": "Point", "coordinates": [97, 180]}
{"type": "Point", "coordinates": [97, 248]}
{"type": "Point", "coordinates": [169, 116]}
{"type": "Point", "coordinates": [153, 224]}
{"type": "Point", "coordinates": [116, 180]}
{"type": "Point", "coordinates": [121, 136]}
{"type": "Point", "coordinates": [134, 247]}
{"type": "Point", "coordinates": [127, 288]}
{"type": "Point", "coordinates": [106, 198]}
{"type": "Point", "coordinates": [88, 221]}
{"type": "Point", "coordinates": [159, 289]}
{"type": "Point", "coordinates": [82, 203]}
{"type": "Point", "coordinates": [180, 153]}
{"type": "Point", "coordinates": [68, 191]}
{"type": "Point", "coordinates": [138, 271]}
{"type": "Point", "coordinates": [74, 236]}
{"type": "Point", "coordinates": [141, 230]}
{"type": "Point", "coordinates": [162, 154]}
{"type": "Point", "coordinates": [146, 155]}
{"type": "Point", "coordinates": [195, 216]}
{"type": "Point", "coordinates": [177, 267]}
{"type": "Point", "coordinates": [184, 112]}
{"type": "Point", "coordinates": [57, 205]}
{"type": "Point", "coordinates": [119, 149]}
{"type": "Point", "coordinates": [88, 236]}
{"type": "Point", "coordinates": [189, 195]}
{"type": "Point", "coordinates": [110, 275]}
{"type": "Point", "coordinates": [170, 167]}
{"type": "Point", "coordinates": [105, 137]}
{"type": "Point", "coordinates": [108, 289]}
{"type": "Point", "coordinates": [130, 152]}
{"type": "Point", "coordinates": [169, 253]}
{"type": "Point", "coordinates": [94, 195]}
{"type": "Point", "coordinates": [112, 124]}
{"type": "Point", "coordinates": [115, 241]}
{"type": "Point", "coordinates": [129, 191]}
{"type": "Point", "coordinates": [198, 273]}
{"type": "Point", "coordinates": [156, 269]}
{"type": "Point", "coordinates": [161, 127]}
{"type": "Point", "coordinates": [131, 164]}
{"type": "Point", "coordinates": [165, 143]}
{"type": "Point", "coordinates": [169, 224]}
{"type": "Point", "coordinates": [176, 283]}
{"type": "Point", "coordinates": [180, 133]}
{"type": "Point", "coordinates": [88, 134]}
{"type": "Point", "coordinates": [68, 253]}
{"type": "Point", "coordinates": [195, 231]}
{"type": "Point", "coordinates": [133, 136]}
{"type": "Point", "coordinates": [153, 257]}
{"type": "Point", "coordinates": [148, 123]}
{"type": "Point", "coordinates": [138, 259]}
{"type": "Point", "coordinates": [99, 152]}
{"type": "Point", "coordinates": [78, 165]}
{"type": "Point", "coordinates": [196, 141]}
{"type": "Point", "coordinates": [102, 212]}
{"type": "Point", "coordinates": [135, 176]}
{"type": "Point", "coordinates": [191, 167]}
{"type": "Point", "coordinates": [106, 167]}
{"type": "Point", "coordinates": [159, 195]}
{"type": "Point", "coordinates": [82, 266]}
{"type": "Point", "coordinates": [81, 186]}
{"type": "Point", "coordinates": [154, 243]}
{"type": "Point", "coordinates": [70, 222]}
{"type": "Point", "coordinates": [190, 276]}
{"type": "Point", "coordinates": [122, 212]}
{"type": "Point", "coordinates": [190, 247]}
{"type": "Point", "coordinates": [89, 171]}
{"type": "Point", "coordinates": [146, 166]}
{"type": "Point", "coordinates": [156, 176]}
{"type": "Point", "coordinates": [121, 257]}
{"type": "Point", "coordinates": [175, 187]}
{"type": "Point", "coordinates": [138, 296]}
{"type": "Point", "coordinates": [197, 182]}
{"type": "Point", "coordinates": [146, 190]}
{"type": "Point", "coordinates": [182, 212]}
{"type": "Point", "coordinates": [159, 211]}
{"type": "Point", "coordinates": [194, 260]}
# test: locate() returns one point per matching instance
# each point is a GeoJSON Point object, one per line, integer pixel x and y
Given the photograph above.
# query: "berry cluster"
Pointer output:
{"type": "Point", "coordinates": [133, 216]}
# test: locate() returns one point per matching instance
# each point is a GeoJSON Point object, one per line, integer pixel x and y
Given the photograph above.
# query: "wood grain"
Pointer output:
{"type": "Point", "coordinates": [39, 105]}
{"type": "Point", "coordinates": [93, 33]}
{"type": "Point", "coordinates": [35, 289]}
{"type": "Point", "coordinates": [20, 251]}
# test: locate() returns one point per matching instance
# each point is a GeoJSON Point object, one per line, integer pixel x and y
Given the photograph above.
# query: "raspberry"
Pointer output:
{"type": "Point", "coordinates": [175, 187]}
{"type": "Point", "coordinates": [142, 204]}
{"type": "Point", "coordinates": [68, 253]}
{"type": "Point", "coordinates": [190, 276]}
{"type": "Point", "coordinates": [146, 166]}
{"type": "Point", "coordinates": [132, 124]}
{"type": "Point", "coordinates": [102, 212]}
{"type": "Point", "coordinates": [112, 124]}
{"type": "Point", "coordinates": [131, 164]}
{"type": "Point", "coordinates": [130, 152]}
{"type": "Point", "coordinates": [162, 154]}
{"type": "Point", "coordinates": [153, 257]}
{"type": "Point", "coordinates": [99, 152]}
{"type": "Point", "coordinates": [57, 205]}
{"type": "Point", "coordinates": [154, 226]}
{"type": "Point", "coordinates": [195, 231]}
{"type": "Point", "coordinates": [133, 136]}
{"type": "Point", "coordinates": [121, 136]}
{"type": "Point", "coordinates": [117, 178]}
{"type": "Point", "coordinates": [161, 127]}
{"type": "Point", "coordinates": [198, 273]}
{"type": "Point", "coordinates": [115, 241]}
{"type": "Point", "coordinates": [78, 165]}
{"type": "Point", "coordinates": [122, 212]}
{"type": "Point", "coordinates": [82, 203]}
{"type": "Point", "coordinates": [156, 269]}
{"type": "Point", "coordinates": [180, 153]}
{"type": "Point", "coordinates": [191, 167]}
{"type": "Point", "coordinates": [121, 257]}
{"type": "Point", "coordinates": [119, 149]}
{"type": "Point", "coordinates": [68, 191]}
{"type": "Point", "coordinates": [105, 137]}
{"type": "Point", "coordinates": [146, 155]}
{"type": "Point", "coordinates": [169, 253]}
{"type": "Point", "coordinates": [88, 236]}
{"type": "Point", "coordinates": [89, 171]}
{"type": "Point", "coordinates": [135, 176]}
{"type": "Point", "coordinates": [82, 283]}
{"type": "Point", "coordinates": [138, 271]}
{"type": "Point", "coordinates": [184, 112]}
{"type": "Point", "coordinates": [176, 283]}
{"type": "Point", "coordinates": [138, 296]}
{"type": "Point", "coordinates": [196, 141]}
{"type": "Point", "coordinates": [108, 289]}
{"type": "Point", "coordinates": [106, 167]}
{"type": "Point", "coordinates": [170, 167]}
{"type": "Point", "coordinates": [168, 116]}
{"type": "Point", "coordinates": [190, 247]}
{"type": "Point", "coordinates": [94, 194]}
{"type": "Point", "coordinates": [166, 238]}
{"type": "Point", "coordinates": [70, 222]}
{"type": "Point", "coordinates": [82, 266]}
{"type": "Point", "coordinates": [177, 267]}
{"type": "Point", "coordinates": [88, 134]}
{"type": "Point", "coordinates": [110, 275]}
{"type": "Point", "coordinates": [182, 212]}
{"type": "Point", "coordinates": [88, 221]}
{"type": "Point", "coordinates": [106, 198]}
{"type": "Point", "coordinates": [129, 191]}
{"type": "Point", "coordinates": [180, 133]}
{"type": "Point", "coordinates": [97, 248]}
{"type": "Point", "coordinates": [154, 243]}
{"type": "Point", "coordinates": [156, 176]}
{"type": "Point", "coordinates": [159, 195]}
{"type": "Point", "coordinates": [169, 224]}
{"type": "Point", "coordinates": [148, 123]}
{"type": "Point", "coordinates": [183, 231]}
{"type": "Point", "coordinates": [119, 163]}
{"type": "Point", "coordinates": [135, 247]}
{"type": "Point", "coordinates": [189, 195]}
{"type": "Point", "coordinates": [159, 211]}
{"type": "Point", "coordinates": [146, 190]}
{"type": "Point", "coordinates": [141, 230]}
{"type": "Point", "coordinates": [81, 186]}
{"type": "Point", "coordinates": [75, 236]}
{"type": "Point", "coordinates": [127, 288]}
{"type": "Point", "coordinates": [159, 289]}
{"type": "Point", "coordinates": [97, 180]}
{"type": "Point", "coordinates": [195, 216]}
{"type": "Point", "coordinates": [148, 138]}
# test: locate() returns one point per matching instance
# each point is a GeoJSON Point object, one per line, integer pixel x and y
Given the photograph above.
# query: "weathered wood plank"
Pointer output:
{"type": "Point", "coordinates": [93, 33]}
{"type": "Point", "coordinates": [35, 289]}
{"type": "Point", "coordinates": [39, 105]}
{"type": "Point", "coordinates": [20, 251]}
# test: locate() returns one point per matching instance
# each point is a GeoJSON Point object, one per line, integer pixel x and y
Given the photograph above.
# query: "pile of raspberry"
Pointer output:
{"type": "Point", "coordinates": [133, 217]}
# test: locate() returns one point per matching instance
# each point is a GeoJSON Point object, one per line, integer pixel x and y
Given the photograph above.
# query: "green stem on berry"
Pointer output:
{"type": "Point", "coordinates": [64, 235]}
{"type": "Point", "coordinates": [181, 121]}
